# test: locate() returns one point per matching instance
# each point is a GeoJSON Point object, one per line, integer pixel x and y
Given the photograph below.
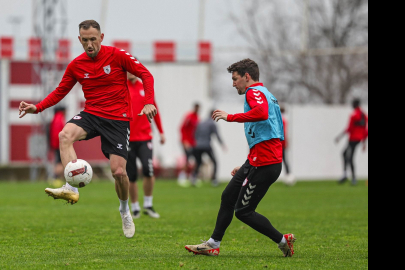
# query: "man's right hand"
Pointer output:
{"type": "Point", "coordinates": [26, 108]}
{"type": "Point", "coordinates": [235, 171]}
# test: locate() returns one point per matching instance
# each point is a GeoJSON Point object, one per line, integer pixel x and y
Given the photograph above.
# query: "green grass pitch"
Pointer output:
{"type": "Point", "coordinates": [37, 232]}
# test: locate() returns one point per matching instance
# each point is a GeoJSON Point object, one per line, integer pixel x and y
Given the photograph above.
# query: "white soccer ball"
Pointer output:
{"type": "Point", "coordinates": [78, 173]}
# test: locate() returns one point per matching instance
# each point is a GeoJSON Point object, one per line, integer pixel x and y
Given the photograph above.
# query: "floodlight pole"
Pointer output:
{"type": "Point", "coordinates": [50, 23]}
{"type": "Point", "coordinates": [305, 28]}
{"type": "Point", "coordinates": [201, 20]}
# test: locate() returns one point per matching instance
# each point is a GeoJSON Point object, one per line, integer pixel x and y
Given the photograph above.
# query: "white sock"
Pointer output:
{"type": "Point", "coordinates": [182, 176]}
{"type": "Point", "coordinates": [72, 188]}
{"type": "Point", "coordinates": [135, 207]}
{"type": "Point", "coordinates": [147, 201]}
{"type": "Point", "coordinates": [283, 242]}
{"type": "Point", "coordinates": [124, 208]}
{"type": "Point", "coordinates": [213, 243]}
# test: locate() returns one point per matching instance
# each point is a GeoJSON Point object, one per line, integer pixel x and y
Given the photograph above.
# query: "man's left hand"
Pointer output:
{"type": "Point", "coordinates": [150, 111]}
{"type": "Point", "coordinates": [162, 138]}
{"type": "Point", "coordinates": [218, 115]}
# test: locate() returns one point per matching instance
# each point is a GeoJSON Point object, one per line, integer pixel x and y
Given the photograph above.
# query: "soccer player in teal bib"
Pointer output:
{"type": "Point", "coordinates": [251, 181]}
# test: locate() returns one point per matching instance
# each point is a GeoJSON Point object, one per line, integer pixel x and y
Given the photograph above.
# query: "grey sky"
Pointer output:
{"type": "Point", "coordinates": [138, 20]}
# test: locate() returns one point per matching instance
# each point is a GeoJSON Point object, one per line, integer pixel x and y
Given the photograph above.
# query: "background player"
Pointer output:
{"type": "Point", "coordinates": [358, 132]}
{"type": "Point", "coordinates": [290, 179]}
{"type": "Point", "coordinates": [264, 133]}
{"type": "Point", "coordinates": [55, 127]}
{"type": "Point", "coordinates": [187, 131]}
{"type": "Point", "coordinates": [102, 72]}
{"type": "Point", "coordinates": [140, 146]}
{"type": "Point", "coordinates": [203, 133]}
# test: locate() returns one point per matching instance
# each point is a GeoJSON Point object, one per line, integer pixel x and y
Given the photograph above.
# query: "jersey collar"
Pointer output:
{"type": "Point", "coordinates": [255, 84]}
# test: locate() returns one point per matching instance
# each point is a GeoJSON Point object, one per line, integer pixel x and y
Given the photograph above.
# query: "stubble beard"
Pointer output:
{"type": "Point", "coordinates": [92, 55]}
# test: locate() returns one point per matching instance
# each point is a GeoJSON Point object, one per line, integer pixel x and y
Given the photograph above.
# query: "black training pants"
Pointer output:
{"type": "Point", "coordinates": [198, 157]}
{"type": "Point", "coordinates": [348, 156]}
{"type": "Point", "coordinates": [285, 161]}
{"type": "Point", "coordinates": [242, 195]}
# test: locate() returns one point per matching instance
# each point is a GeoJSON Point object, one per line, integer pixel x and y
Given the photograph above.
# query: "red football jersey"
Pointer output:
{"type": "Point", "coordinates": [358, 126]}
{"type": "Point", "coordinates": [267, 152]}
{"type": "Point", "coordinates": [104, 83]}
{"type": "Point", "coordinates": [56, 126]}
{"type": "Point", "coordinates": [140, 127]}
{"type": "Point", "coordinates": [188, 128]}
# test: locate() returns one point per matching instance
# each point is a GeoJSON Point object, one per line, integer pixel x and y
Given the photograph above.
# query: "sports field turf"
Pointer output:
{"type": "Point", "coordinates": [37, 232]}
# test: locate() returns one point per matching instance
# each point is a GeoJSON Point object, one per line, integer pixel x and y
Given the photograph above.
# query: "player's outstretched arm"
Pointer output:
{"type": "Point", "coordinates": [218, 115]}
{"type": "Point", "coordinates": [150, 111]}
{"type": "Point", "coordinates": [26, 108]}
{"type": "Point", "coordinates": [340, 136]}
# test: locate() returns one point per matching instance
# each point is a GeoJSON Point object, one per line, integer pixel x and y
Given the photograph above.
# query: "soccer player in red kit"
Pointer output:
{"type": "Point", "coordinates": [290, 179]}
{"type": "Point", "coordinates": [102, 72]}
{"type": "Point", "coordinates": [250, 182]}
{"type": "Point", "coordinates": [55, 127]}
{"type": "Point", "coordinates": [358, 132]}
{"type": "Point", "coordinates": [187, 130]}
{"type": "Point", "coordinates": [140, 146]}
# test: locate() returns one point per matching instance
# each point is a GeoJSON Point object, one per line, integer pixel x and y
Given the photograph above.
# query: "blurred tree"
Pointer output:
{"type": "Point", "coordinates": [309, 50]}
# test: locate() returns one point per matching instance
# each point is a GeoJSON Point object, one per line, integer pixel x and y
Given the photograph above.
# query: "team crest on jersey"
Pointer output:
{"type": "Point", "coordinates": [107, 69]}
{"type": "Point", "coordinates": [245, 182]}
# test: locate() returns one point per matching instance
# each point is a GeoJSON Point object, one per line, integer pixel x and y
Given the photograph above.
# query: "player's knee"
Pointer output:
{"type": "Point", "coordinates": [65, 137]}
{"type": "Point", "coordinates": [225, 198]}
{"type": "Point", "coordinates": [118, 173]}
{"type": "Point", "coordinates": [243, 215]}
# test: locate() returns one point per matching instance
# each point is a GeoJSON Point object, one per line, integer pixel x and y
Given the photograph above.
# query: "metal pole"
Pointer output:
{"type": "Point", "coordinates": [201, 20]}
{"type": "Point", "coordinates": [305, 27]}
{"type": "Point", "coordinates": [103, 16]}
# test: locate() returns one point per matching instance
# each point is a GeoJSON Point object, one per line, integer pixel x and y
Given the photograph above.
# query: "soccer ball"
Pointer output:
{"type": "Point", "coordinates": [78, 173]}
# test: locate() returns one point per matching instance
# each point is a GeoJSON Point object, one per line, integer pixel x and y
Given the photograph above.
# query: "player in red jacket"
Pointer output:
{"type": "Point", "coordinates": [187, 130]}
{"type": "Point", "coordinates": [56, 126]}
{"type": "Point", "coordinates": [290, 179]}
{"type": "Point", "coordinates": [140, 146]}
{"type": "Point", "coordinates": [102, 72]}
{"type": "Point", "coordinates": [358, 132]}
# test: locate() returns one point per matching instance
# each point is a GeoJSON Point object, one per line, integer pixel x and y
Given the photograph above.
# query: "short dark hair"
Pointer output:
{"type": "Point", "coordinates": [246, 66]}
{"type": "Point", "coordinates": [356, 103]}
{"type": "Point", "coordinates": [89, 23]}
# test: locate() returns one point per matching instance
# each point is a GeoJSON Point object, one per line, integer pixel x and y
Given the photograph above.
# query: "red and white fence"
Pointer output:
{"type": "Point", "coordinates": [159, 51]}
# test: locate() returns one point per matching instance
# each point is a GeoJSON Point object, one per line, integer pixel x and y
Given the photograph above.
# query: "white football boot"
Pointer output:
{"type": "Point", "coordinates": [150, 212]}
{"type": "Point", "coordinates": [128, 225]}
{"type": "Point", "coordinates": [203, 249]}
{"type": "Point", "coordinates": [64, 193]}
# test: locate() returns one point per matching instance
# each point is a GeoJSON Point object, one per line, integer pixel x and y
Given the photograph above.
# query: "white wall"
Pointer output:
{"type": "Point", "coordinates": [312, 129]}
{"type": "Point", "coordinates": [313, 154]}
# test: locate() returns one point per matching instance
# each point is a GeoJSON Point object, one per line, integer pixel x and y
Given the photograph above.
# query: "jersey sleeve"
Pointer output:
{"type": "Point", "coordinates": [67, 83]}
{"type": "Point", "coordinates": [157, 119]}
{"type": "Point", "coordinates": [133, 66]}
{"type": "Point", "coordinates": [259, 109]}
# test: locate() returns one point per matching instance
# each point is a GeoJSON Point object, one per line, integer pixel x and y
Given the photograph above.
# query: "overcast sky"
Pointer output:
{"type": "Point", "coordinates": [138, 20]}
